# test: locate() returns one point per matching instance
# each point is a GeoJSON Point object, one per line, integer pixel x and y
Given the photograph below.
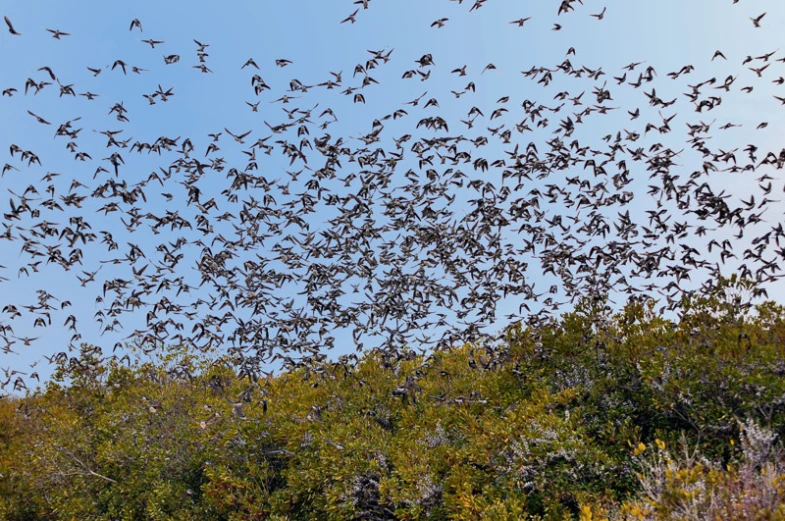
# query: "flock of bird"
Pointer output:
{"type": "Point", "coordinates": [411, 239]}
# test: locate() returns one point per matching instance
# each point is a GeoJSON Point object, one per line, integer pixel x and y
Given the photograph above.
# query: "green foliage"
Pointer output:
{"type": "Point", "coordinates": [555, 424]}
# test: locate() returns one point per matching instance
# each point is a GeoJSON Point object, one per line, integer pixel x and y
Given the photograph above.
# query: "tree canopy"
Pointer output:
{"type": "Point", "coordinates": [624, 415]}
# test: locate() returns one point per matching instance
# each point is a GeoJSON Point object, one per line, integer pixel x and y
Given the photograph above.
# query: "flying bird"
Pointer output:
{"type": "Point", "coordinates": [440, 23]}
{"type": "Point", "coordinates": [250, 62]}
{"type": "Point", "coordinates": [49, 71]}
{"type": "Point", "coordinates": [121, 63]}
{"type": "Point", "coordinates": [56, 33]}
{"type": "Point", "coordinates": [239, 138]}
{"type": "Point", "coordinates": [521, 21]}
{"type": "Point", "coordinates": [351, 17]}
{"type": "Point", "coordinates": [11, 27]}
{"type": "Point", "coordinates": [39, 118]}
{"type": "Point", "coordinates": [600, 15]}
{"type": "Point", "coordinates": [756, 20]}
{"type": "Point", "coordinates": [152, 42]}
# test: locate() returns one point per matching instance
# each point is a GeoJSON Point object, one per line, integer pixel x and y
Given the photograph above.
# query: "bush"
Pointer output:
{"type": "Point", "coordinates": [571, 420]}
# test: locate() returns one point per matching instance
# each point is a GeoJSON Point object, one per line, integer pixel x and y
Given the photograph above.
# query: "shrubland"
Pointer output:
{"type": "Point", "coordinates": [596, 415]}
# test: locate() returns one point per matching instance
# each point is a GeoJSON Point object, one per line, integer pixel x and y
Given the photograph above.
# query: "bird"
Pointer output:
{"type": "Point", "coordinates": [11, 27]}
{"type": "Point", "coordinates": [27, 341]}
{"type": "Point", "coordinates": [425, 60]}
{"type": "Point", "coordinates": [250, 62]}
{"type": "Point", "coordinates": [39, 118]}
{"type": "Point", "coordinates": [351, 18]}
{"type": "Point", "coordinates": [757, 19]}
{"type": "Point", "coordinates": [759, 71]}
{"type": "Point", "coordinates": [519, 22]}
{"type": "Point", "coordinates": [56, 33]}
{"type": "Point", "coordinates": [600, 15]}
{"type": "Point", "coordinates": [120, 63]}
{"type": "Point", "coordinates": [440, 22]}
{"type": "Point", "coordinates": [239, 137]}
{"type": "Point", "coordinates": [152, 43]}
{"type": "Point", "coordinates": [49, 71]}
{"type": "Point", "coordinates": [136, 23]}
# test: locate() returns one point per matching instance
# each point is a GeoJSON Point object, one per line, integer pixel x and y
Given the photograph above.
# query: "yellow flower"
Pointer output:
{"type": "Point", "coordinates": [660, 444]}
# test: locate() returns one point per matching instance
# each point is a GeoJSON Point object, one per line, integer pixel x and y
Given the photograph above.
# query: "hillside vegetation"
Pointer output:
{"type": "Point", "coordinates": [595, 416]}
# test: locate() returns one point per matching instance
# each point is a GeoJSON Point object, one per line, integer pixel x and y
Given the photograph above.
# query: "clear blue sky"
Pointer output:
{"type": "Point", "coordinates": [666, 34]}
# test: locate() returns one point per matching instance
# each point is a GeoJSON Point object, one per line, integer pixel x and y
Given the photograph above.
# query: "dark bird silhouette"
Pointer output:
{"type": "Point", "coordinates": [11, 27]}
{"type": "Point", "coordinates": [351, 18]}
{"type": "Point", "coordinates": [440, 22]}
{"type": "Point", "coordinates": [250, 62]}
{"type": "Point", "coordinates": [519, 22]}
{"type": "Point", "coordinates": [239, 138]}
{"type": "Point", "coordinates": [48, 71]}
{"type": "Point", "coordinates": [600, 15]}
{"type": "Point", "coordinates": [757, 19]}
{"type": "Point", "coordinates": [56, 33]}
{"type": "Point", "coordinates": [120, 63]}
{"type": "Point", "coordinates": [152, 43]}
{"type": "Point", "coordinates": [39, 118]}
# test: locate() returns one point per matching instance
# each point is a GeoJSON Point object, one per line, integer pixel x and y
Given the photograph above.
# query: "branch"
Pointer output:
{"type": "Point", "coordinates": [85, 467]}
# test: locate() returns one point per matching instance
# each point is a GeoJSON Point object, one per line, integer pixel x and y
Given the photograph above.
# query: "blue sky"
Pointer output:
{"type": "Point", "coordinates": [665, 34]}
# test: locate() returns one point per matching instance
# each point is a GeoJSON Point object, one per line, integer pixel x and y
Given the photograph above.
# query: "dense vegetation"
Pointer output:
{"type": "Point", "coordinates": [624, 415]}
